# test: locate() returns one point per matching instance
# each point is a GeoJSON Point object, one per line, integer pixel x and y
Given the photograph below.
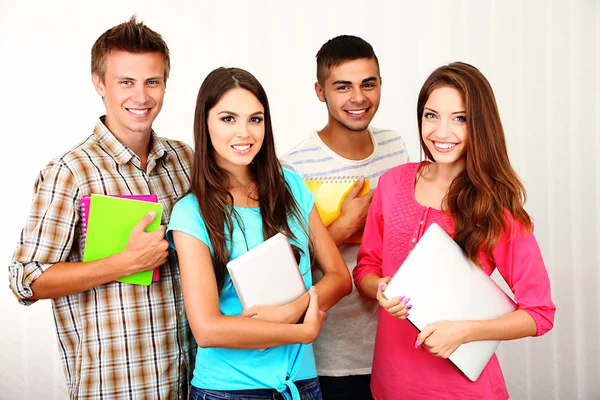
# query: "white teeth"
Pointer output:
{"type": "Point", "coordinates": [358, 112]}
{"type": "Point", "coordinates": [139, 112]}
{"type": "Point", "coordinates": [241, 148]}
{"type": "Point", "coordinates": [444, 145]}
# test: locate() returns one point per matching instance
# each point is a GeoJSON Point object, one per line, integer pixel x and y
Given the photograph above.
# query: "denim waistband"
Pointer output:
{"type": "Point", "coordinates": [301, 385]}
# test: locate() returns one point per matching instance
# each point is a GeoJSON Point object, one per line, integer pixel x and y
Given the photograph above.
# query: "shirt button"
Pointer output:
{"type": "Point", "coordinates": [421, 222]}
{"type": "Point", "coordinates": [414, 240]}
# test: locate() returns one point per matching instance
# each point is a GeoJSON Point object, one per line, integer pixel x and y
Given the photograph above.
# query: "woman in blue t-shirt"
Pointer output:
{"type": "Point", "coordinates": [239, 197]}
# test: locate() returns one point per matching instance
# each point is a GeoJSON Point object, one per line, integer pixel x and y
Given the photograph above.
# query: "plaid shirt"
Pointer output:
{"type": "Point", "coordinates": [117, 341]}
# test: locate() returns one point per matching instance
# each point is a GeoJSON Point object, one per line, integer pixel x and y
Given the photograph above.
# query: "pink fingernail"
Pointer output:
{"type": "Point", "coordinates": [400, 298]}
{"type": "Point", "coordinates": [416, 344]}
{"type": "Point", "coordinates": [407, 314]}
{"type": "Point", "coordinates": [408, 307]}
{"type": "Point", "coordinates": [380, 287]}
{"type": "Point", "coordinates": [406, 300]}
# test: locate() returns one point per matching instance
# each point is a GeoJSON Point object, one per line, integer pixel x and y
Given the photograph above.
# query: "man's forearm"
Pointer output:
{"type": "Point", "coordinates": [339, 232]}
{"type": "Point", "coordinates": [66, 278]}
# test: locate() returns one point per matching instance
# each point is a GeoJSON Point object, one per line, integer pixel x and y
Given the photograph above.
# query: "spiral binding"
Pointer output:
{"type": "Point", "coordinates": [331, 179]}
{"type": "Point", "coordinates": [83, 220]}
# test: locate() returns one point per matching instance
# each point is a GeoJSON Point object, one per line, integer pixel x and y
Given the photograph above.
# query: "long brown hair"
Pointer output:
{"type": "Point", "coordinates": [488, 186]}
{"type": "Point", "coordinates": [210, 183]}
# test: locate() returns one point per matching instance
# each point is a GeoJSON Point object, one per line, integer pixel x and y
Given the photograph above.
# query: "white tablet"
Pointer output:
{"type": "Point", "coordinates": [268, 274]}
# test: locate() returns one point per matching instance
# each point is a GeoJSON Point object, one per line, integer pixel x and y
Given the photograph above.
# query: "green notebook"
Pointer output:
{"type": "Point", "coordinates": [109, 225]}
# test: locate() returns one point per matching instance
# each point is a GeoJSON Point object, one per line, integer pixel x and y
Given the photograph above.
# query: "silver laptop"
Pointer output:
{"type": "Point", "coordinates": [268, 274]}
{"type": "Point", "coordinates": [443, 284]}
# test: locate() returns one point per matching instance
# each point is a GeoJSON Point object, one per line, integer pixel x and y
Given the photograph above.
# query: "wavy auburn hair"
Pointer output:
{"type": "Point", "coordinates": [210, 183]}
{"type": "Point", "coordinates": [480, 195]}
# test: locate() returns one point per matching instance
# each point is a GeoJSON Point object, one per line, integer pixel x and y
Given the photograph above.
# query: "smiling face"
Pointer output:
{"type": "Point", "coordinates": [133, 88]}
{"type": "Point", "coordinates": [236, 128]}
{"type": "Point", "coordinates": [444, 126]}
{"type": "Point", "coordinates": [352, 92]}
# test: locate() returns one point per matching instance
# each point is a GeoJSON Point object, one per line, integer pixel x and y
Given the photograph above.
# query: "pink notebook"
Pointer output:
{"type": "Point", "coordinates": [85, 208]}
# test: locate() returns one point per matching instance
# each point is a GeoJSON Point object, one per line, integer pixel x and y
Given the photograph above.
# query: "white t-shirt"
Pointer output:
{"type": "Point", "coordinates": [345, 344]}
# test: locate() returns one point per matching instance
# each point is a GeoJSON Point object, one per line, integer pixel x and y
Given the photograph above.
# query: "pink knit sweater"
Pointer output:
{"type": "Point", "coordinates": [394, 225]}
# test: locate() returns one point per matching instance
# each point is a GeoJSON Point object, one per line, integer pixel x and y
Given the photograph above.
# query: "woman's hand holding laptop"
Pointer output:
{"type": "Point", "coordinates": [292, 313]}
{"type": "Point", "coordinates": [289, 313]}
{"type": "Point", "coordinates": [398, 307]}
{"type": "Point", "coordinates": [442, 338]}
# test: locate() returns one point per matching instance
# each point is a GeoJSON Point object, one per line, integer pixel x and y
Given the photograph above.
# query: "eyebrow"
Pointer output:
{"type": "Point", "coordinates": [456, 112]}
{"type": "Point", "coordinates": [127, 78]}
{"type": "Point", "coordinates": [369, 79]}
{"type": "Point", "coordinates": [237, 115]}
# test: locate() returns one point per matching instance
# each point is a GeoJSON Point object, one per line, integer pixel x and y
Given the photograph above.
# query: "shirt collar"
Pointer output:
{"type": "Point", "coordinates": [118, 151]}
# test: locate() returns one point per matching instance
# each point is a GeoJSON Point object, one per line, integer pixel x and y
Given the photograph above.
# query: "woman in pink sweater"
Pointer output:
{"type": "Point", "coordinates": [468, 187]}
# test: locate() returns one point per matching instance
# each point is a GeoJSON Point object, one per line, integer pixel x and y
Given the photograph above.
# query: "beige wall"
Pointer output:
{"type": "Point", "coordinates": [542, 58]}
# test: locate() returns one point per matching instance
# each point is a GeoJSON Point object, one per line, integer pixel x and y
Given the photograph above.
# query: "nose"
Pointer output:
{"type": "Point", "coordinates": [243, 131]}
{"type": "Point", "coordinates": [444, 129]}
{"type": "Point", "coordinates": [357, 95]}
{"type": "Point", "coordinates": [141, 95]}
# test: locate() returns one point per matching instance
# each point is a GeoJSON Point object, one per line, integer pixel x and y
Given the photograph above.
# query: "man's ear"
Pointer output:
{"type": "Point", "coordinates": [319, 91]}
{"type": "Point", "coordinates": [98, 84]}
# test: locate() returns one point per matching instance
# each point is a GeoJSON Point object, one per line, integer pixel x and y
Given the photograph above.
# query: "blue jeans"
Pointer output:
{"type": "Point", "coordinates": [309, 390]}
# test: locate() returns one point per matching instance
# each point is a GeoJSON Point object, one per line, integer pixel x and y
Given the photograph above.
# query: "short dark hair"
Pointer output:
{"type": "Point", "coordinates": [339, 49]}
{"type": "Point", "coordinates": [131, 36]}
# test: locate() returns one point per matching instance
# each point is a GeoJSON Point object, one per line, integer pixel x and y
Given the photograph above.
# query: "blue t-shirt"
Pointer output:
{"type": "Point", "coordinates": [241, 369]}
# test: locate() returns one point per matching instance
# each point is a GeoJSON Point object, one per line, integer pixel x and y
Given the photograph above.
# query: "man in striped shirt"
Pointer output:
{"type": "Point", "coordinates": [116, 340]}
{"type": "Point", "coordinates": [349, 83]}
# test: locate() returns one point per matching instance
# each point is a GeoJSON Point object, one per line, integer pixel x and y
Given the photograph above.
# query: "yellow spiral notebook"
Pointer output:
{"type": "Point", "coordinates": [329, 193]}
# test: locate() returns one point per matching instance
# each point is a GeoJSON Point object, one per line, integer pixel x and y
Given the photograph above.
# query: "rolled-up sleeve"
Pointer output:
{"type": "Point", "coordinates": [370, 252]}
{"type": "Point", "coordinates": [49, 231]}
{"type": "Point", "coordinates": [519, 261]}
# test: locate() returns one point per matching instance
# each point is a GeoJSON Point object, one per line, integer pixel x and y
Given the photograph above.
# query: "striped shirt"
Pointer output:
{"type": "Point", "coordinates": [312, 158]}
{"type": "Point", "coordinates": [345, 344]}
{"type": "Point", "coordinates": [116, 341]}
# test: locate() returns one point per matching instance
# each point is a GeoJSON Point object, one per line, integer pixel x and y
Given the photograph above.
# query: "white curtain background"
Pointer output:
{"type": "Point", "coordinates": [541, 57]}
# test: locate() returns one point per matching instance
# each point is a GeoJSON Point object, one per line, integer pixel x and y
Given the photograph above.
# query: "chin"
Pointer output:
{"type": "Point", "coordinates": [448, 160]}
{"type": "Point", "coordinates": [355, 127]}
{"type": "Point", "coordinates": [139, 129]}
{"type": "Point", "coordinates": [242, 163]}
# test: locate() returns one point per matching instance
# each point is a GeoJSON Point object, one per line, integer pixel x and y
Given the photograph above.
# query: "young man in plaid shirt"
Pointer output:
{"type": "Point", "coordinates": [116, 340]}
